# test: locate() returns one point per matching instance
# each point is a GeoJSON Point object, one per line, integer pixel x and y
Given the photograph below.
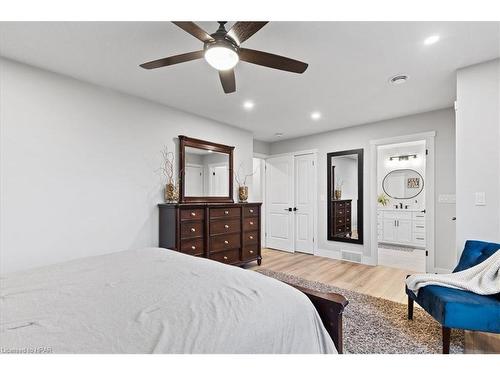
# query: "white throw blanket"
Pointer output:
{"type": "Point", "coordinates": [483, 278]}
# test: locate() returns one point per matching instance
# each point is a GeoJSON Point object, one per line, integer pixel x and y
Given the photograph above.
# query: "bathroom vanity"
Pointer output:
{"type": "Point", "coordinates": [401, 227]}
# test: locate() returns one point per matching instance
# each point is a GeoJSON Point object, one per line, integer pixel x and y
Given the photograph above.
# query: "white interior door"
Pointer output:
{"type": "Point", "coordinates": [304, 203]}
{"type": "Point", "coordinates": [279, 198]}
{"type": "Point", "coordinates": [219, 177]}
{"type": "Point", "coordinates": [194, 174]}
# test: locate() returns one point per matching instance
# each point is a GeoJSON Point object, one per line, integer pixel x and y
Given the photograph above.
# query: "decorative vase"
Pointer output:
{"type": "Point", "coordinates": [171, 193]}
{"type": "Point", "coordinates": [243, 193]}
{"type": "Point", "coordinates": [338, 194]}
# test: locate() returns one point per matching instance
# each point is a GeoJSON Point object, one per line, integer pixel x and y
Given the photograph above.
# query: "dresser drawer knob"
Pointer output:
{"type": "Point", "coordinates": [225, 257]}
{"type": "Point", "coordinates": [193, 229]}
{"type": "Point", "coordinates": [193, 213]}
{"type": "Point", "coordinates": [226, 242]}
{"type": "Point", "coordinates": [251, 211]}
{"type": "Point", "coordinates": [226, 226]}
{"type": "Point", "coordinates": [251, 237]}
{"type": "Point", "coordinates": [251, 251]}
{"type": "Point", "coordinates": [251, 223]}
{"type": "Point", "coordinates": [226, 212]}
{"type": "Point", "coordinates": [193, 247]}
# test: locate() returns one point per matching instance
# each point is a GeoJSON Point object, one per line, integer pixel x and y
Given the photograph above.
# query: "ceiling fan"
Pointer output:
{"type": "Point", "coordinates": [222, 51]}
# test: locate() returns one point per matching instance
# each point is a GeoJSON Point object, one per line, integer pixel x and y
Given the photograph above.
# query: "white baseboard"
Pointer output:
{"type": "Point", "coordinates": [333, 254]}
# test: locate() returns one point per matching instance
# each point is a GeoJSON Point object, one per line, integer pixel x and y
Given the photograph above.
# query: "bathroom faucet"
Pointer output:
{"type": "Point", "coordinates": [400, 205]}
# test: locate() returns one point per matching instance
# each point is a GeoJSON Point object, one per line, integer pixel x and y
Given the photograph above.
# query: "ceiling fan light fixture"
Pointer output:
{"type": "Point", "coordinates": [221, 57]}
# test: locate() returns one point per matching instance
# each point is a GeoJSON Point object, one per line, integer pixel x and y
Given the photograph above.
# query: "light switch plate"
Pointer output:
{"type": "Point", "coordinates": [480, 198]}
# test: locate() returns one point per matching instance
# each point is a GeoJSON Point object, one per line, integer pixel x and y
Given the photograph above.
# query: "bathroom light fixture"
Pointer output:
{"type": "Point", "coordinates": [431, 40]}
{"type": "Point", "coordinates": [316, 115]}
{"type": "Point", "coordinates": [403, 157]}
{"type": "Point", "coordinates": [278, 134]}
{"type": "Point", "coordinates": [248, 104]}
{"type": "Point", "coordinates": [399, 79]}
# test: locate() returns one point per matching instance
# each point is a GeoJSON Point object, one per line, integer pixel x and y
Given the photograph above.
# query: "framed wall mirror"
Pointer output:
{"type": "Point", "coordinates": [345, 196]}
{"type": "Point", "coordinates": [205, 171]}
{"type": "Point", "coordinates": [403, 184]}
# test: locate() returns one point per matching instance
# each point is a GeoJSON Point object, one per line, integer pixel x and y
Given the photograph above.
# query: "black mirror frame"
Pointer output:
{"type": "Point", "coordinates": [359, 152]}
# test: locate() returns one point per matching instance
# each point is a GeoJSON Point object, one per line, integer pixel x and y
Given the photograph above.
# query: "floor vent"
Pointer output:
{"type": "Point", "coordinates": [351, 256]}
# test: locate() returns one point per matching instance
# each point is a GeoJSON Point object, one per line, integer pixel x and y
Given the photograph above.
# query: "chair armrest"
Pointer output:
{"type": "Point", "coordinates": [330, 307]}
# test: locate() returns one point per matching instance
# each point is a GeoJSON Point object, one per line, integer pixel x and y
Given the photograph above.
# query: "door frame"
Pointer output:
{"type": "Point", "coordinates": [314, 152]}
{"type": "Point", "coordinates": [430, 208]}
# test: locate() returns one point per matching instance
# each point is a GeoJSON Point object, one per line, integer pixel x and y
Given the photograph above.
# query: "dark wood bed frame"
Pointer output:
{"type": "Point", "coordinates": [330, 307]}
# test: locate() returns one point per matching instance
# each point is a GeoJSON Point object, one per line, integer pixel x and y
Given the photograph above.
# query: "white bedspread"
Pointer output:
{"type": "Point", "coordinates": [155, 301]}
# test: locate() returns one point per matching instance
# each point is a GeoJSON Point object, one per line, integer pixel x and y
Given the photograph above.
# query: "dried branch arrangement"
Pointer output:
{"type": "Point", "coordinates": [240, 178]}
{"type": "Point", "coordinates": [167, 165]}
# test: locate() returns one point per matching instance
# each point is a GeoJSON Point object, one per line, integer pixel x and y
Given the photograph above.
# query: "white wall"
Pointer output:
{"type": "Point", "coordinates": [261, 147]}
{"type": "Point", "coordinates": [441, 121]}
{"type": "Point", "coordinates": [78, 166]}
{"type": "Point", "coordinates": [478, 152]}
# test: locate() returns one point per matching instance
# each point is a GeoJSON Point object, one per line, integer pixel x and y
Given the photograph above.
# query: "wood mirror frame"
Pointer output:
{"type": "Point", "coordinates": [204, 145]}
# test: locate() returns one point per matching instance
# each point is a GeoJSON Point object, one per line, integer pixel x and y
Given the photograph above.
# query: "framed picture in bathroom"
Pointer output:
{"type": "Point", "coordinates": [413, 183]}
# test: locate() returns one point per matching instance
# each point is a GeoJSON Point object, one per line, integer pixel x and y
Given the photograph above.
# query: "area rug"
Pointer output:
{"type": "Point", "coordinates": [378, 326]}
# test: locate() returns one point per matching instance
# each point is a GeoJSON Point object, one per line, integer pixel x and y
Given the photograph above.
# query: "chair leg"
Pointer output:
{"type": "Point", "coordinates": [446, 339]}
{"type": "Point", "coordinates": [410, 308]}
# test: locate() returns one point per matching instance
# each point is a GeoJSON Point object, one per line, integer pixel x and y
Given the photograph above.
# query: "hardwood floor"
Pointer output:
{"type": "Point", "coordinates": [377, 281]}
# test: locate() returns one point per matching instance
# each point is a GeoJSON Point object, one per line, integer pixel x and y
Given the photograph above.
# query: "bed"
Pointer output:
{"type": "Point", "coordinates": [161, 301]}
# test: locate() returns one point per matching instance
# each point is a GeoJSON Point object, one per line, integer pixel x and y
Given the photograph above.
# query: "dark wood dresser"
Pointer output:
{"type": "Point", "coordinates": [342, 217]}
{"type": "Point", "coordinates": [226, 232]}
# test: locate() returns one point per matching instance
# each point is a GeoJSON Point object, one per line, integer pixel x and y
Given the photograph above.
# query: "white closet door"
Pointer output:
{"type": "Point", "coordinates": [279, 198]}
{"type": "Point", "coordinates": [304, 203]}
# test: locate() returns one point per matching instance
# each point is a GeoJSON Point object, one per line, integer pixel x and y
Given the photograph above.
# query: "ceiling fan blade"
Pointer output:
{"type": "Point", "coordinates": [194, 30]}
{"type": "Point", "coordinates": [241, 31]}
{"type": "Point", "coordinates": [228, 81]}
{"type": "Point", "coordinates": [166, 61]}
{"type": "Point", "coordinates": [272, 61]}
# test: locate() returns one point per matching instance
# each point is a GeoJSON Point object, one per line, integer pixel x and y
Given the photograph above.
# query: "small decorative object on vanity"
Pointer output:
{"type": "Point", "coordinates": [338, 190]}
{"type": "Point", "coordinates": [383, 199]}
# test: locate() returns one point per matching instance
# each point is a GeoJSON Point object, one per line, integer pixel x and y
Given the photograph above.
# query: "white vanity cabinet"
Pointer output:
{"type": "Point", "coordinates": [401, 227]}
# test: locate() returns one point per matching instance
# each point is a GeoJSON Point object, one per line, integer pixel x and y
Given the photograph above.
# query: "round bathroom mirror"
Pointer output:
{"type": "Point", "coordinates": [403, 184]}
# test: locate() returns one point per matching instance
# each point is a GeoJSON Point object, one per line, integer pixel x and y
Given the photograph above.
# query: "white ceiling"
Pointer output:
{"type": "Point", "coordinates": [349, 65]}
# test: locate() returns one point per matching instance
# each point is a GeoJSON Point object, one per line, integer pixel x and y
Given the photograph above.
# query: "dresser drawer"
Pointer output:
{"type": "Point", "coordinates": [251, 211]}
{"type": "Point", "coordinates": [249, 252]}
{"type": "Point", "coordinates": [419, 239]}
{"type": "Point", "coordinates": [191, 229]}
{"type": "Point", "coordinates": [250, 224]}
{"type": "Point", "coordinates": [419, 216]}
{"type": "Point", "coordinates": [225, 212]}
{"type": "Point", "coordinates": [224, 241]}
{"type": "Point", "coordinates": [193, 246]}
{"type": "Point", "coordinates": [192, 214]}
{"type": "Point", "coordinates": [339, 205]}
{"type": "Point", "coordinates": [224, 226]}
{"type": "Point", "coordinates": [340, 221]}
{"type": "Point", "coordinates": [419, 227]}
{"type": "Point", "coordinates": [228, 256]}
{"type": "Point", "coordinates": [250, 238]}
{"type": "Point", "coordinates": [340, 229]}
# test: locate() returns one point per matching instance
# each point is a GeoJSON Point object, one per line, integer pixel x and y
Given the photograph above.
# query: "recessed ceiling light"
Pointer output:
{"type": "Point", "coordinates": [399, 79]}
{"type": "Point", "coordinates": [248, 104]}
{"type": "Point", "coordinates": [278, 134]}
{"type": "Point", "coordinates": [209, 151]}
{"type": "Point", "coordinates": [431, 40]}
{"type": "Point", "coordinates": [315, 115]}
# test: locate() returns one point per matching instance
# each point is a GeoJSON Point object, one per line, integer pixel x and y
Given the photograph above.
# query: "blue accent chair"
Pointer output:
{"type": "Point", "coordinates": [460, 309]}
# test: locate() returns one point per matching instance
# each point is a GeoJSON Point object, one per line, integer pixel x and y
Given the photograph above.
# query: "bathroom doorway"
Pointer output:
{"type": "Point", "coordinates": [403, 213]}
